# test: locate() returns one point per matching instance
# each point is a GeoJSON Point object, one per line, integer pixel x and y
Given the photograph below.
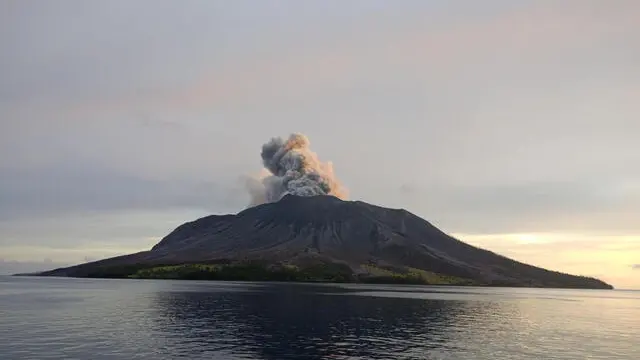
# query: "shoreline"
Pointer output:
{"type": "Point", "coordinates": [511, 286]}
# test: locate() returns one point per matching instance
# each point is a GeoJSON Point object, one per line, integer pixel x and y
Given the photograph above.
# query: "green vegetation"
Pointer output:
{"type": "Point", "coordinates": [262, 271]}
{"type": "Point", "coordinates": [382, 275]}
{"type": "Point", "coordinates": [116, 272]}
{"type": "Point", "coordinates": [249, 271]}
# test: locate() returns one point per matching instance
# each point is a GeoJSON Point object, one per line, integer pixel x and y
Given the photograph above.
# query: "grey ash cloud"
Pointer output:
{"type": "Point", "coordinates": [294, 169]}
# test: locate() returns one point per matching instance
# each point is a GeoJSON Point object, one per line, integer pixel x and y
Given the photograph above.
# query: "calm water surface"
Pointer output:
{"type": "Point", "coordinates": [50, 318]}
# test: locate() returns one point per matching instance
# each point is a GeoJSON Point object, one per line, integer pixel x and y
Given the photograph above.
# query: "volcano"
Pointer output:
{"type": "Point", "coordinates": [299, 231]}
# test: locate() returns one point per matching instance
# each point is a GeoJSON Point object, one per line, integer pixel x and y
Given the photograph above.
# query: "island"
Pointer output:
{"type": "Point", "coordinates": [323, 239]}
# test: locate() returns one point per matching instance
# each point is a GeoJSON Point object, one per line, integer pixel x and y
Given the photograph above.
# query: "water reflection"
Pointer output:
{"type": "Point", "coordinates": [124, 319]}
{"type": "Point", "coordinates": [292, 321]}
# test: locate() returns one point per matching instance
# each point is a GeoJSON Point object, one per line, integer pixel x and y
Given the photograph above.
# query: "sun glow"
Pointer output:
{"type": "Point", "coordinates": [608, 257]}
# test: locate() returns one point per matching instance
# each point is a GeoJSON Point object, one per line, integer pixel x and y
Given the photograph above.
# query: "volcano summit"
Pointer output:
{"type": "Point", "coordinates": [299, 227]}
{"type": "Point", "coordinates": [318, 237]}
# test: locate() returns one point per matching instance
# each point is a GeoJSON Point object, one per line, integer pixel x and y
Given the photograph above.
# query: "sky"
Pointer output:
{"type": "Point", "coordinates": [510, 124]}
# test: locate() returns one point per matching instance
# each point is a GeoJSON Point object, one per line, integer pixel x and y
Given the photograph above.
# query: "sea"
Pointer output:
{"type": "Point", "coordinates": [64, 318]}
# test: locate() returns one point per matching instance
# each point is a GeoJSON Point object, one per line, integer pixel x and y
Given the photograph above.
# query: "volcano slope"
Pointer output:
{"type": "Point", "coordinates": [364, 242]}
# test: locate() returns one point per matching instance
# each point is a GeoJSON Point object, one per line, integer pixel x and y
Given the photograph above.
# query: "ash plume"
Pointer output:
{"type": "Point", "coordinates": [290, 167]}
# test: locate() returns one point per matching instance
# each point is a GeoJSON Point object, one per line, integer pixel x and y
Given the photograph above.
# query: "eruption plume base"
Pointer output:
{"type": "Point", "coordinates": [292, 168]}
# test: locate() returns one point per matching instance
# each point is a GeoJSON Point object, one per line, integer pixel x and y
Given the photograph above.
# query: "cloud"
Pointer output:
{"type": "Point", "coordinates": [70, 237]}
{"type": "Point", "coordinates": [156, 122]}
{"type": "Point", "coordinates": [407, 189]}
{"type": "Point", "coordinates": [635, 266]}
{"type": "Point", "coordinates": [604, 205]}
{"type": "Point", "coordinates": [429, 50]}
{"type": "Point", "coordinates": [426, 52]}
{"type": "Point", "coordinates": [8, 267]}
{"type": "Point", "coordinates": [65, 189]}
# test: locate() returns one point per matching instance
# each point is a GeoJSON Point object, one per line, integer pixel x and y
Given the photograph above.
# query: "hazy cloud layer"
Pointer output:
{"type": "Point", "coordinates": [18, 267]}
{"type": "Point", "coordinates": [598, 204]}
{"type": "Point", "coordinates": [60, 190]}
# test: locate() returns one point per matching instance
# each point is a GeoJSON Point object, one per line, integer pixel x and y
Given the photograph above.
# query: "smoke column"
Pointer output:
{"type": "Point", "coordinates": [292, 168]}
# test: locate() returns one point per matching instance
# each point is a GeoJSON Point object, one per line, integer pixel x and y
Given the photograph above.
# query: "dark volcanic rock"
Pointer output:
{"type": "Point", "coordinates": [299, 229]}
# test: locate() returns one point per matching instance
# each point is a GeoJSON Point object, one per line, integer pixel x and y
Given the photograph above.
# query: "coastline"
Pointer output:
{"type": "Point", "coordinates": [319, 273]}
